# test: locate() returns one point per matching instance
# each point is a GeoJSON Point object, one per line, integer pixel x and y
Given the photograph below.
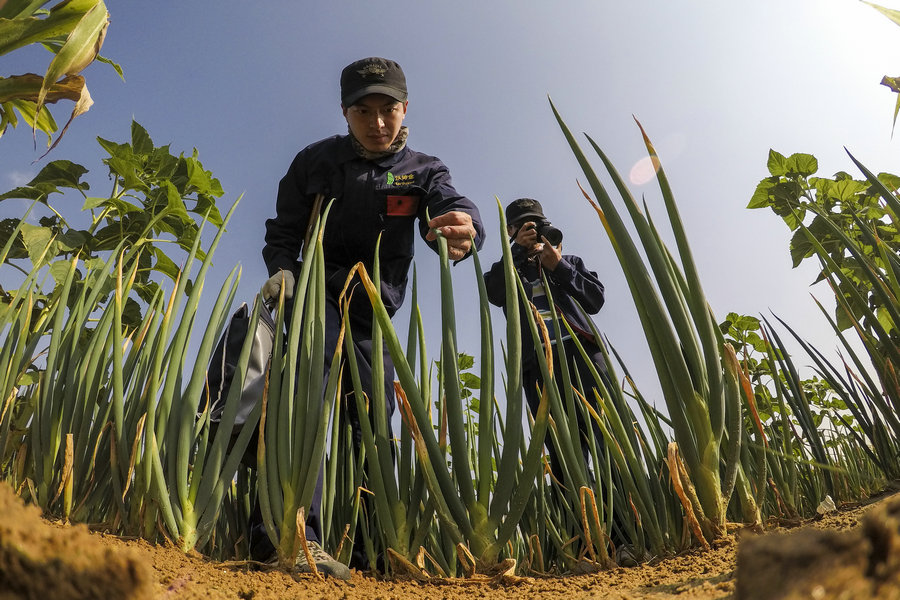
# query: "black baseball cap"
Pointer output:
{"type": "Point", "coordinates": [522, 209]}
{"type": "Point", "coordinates": [372, 75]}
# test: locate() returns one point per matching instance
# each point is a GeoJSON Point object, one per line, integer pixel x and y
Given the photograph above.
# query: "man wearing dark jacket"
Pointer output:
{"type": "Point", "coordinates": [380, 187]}
{"type": "Point", "coordinates": [569, 281]}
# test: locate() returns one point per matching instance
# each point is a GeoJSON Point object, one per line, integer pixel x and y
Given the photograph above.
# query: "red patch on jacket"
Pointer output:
{"type": "Point", "coordinates": [402, 206]}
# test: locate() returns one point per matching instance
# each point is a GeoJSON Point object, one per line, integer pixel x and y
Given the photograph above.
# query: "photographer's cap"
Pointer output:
{"type": "Point", "coordinates": [372, 75]}
{"type": "Point", "coordinates": [524, 208]}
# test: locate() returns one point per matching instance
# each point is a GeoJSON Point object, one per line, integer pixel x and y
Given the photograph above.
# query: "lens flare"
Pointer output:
{"type": "Point", "coordinates": [643, 170]}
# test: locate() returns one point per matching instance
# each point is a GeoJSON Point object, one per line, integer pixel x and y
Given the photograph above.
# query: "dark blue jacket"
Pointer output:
{"type": "Point", "coordinates": [571, 281]}
{"type": "Point", "coordinates": [372, 197]}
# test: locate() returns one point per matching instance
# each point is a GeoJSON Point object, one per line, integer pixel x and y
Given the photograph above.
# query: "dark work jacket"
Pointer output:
{"type": "Point", "coordinates": [371, 198]}
{"type": "Point", "coordinates": [571, 281]}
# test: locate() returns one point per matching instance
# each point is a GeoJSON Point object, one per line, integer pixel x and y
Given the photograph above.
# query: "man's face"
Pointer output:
{"type": "Point", "coordinates": [375, 121]}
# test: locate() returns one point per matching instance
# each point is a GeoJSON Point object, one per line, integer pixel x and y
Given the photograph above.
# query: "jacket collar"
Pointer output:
{"type": "Point", "coordinates": [346, 153]}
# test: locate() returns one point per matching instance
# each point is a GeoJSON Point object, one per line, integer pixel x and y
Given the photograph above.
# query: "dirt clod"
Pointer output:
{"type": "Point", "coordinates": [860, 564]}
{"type": "Point", "coordinates": [42, 561]}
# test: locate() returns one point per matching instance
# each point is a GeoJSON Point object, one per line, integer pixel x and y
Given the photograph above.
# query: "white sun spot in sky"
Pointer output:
{"type": "Point", "coordinates": [643, 170]}
{"type": "Point", "coordinates": [668, 149]}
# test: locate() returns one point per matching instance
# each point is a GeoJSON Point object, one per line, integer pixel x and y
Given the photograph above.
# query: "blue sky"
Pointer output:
{"type": "Point", "coordinates": [716, 85]}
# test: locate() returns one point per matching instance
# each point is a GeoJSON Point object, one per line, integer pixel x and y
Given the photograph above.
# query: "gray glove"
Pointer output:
{"type": "Point", "coordinates": [272, 287]}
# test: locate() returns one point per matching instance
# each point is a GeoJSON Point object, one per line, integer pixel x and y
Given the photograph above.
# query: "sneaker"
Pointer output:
{"type": "Point", "coordinates": [629, 556]}
{"type": "Point", "coordinates": [325, 563]}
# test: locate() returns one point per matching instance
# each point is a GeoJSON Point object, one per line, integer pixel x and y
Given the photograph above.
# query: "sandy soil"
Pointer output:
{"type": "Point", "coordinates": [826, 558]}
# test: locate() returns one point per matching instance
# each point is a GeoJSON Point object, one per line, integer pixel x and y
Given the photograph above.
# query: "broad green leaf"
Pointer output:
{"type": "Point", "coordinates": [785, 202]}
{"type": "Point", "coordinates": [60, 174]}
{"type": "Point", "coordinates": [131, 314]}
{"type": "Point", "coordinates": [140, 139]}
{"type": "Point", "coordinates": [50, 221]}
{"type": "Point", "coordinates": [175, 202]}
{"type": "Point", "coordinates": [7, 117]}
{"type": "Point", "coordinates": [847, 190]}
{"type": "Point", "coordinates": [146, 291]}
{"type": "Point", "coordinates": [119, 207]}
{"type": "Point", "coordinates": [115, 149]}
{"type": "Point", "coordinates": [72, 239]}
{"type": "Point", "coordinates": [92, 202]}
{"type": "Point", "coordinates": [94, 263]}
{"type": "Point", "coordinates": [890, 181]}
{"type": "Point", "coordinates": [30, 377]}
{"type": "Point", "coordinates": [757, 342]}
{"type": "Point", "coordinates": [777, 164]}
{"type": "Point", "coordinates": [745, 322]}
{"type": "Point", "coordinates": [760, 198]}
{"type": "Point", "coordinates": [36, 240]}
{"type": "Point", "coordinates": [804, 164]}
{"type": "Point", "coordinates": [198, 179]}
{"type": "Point", "coordinates": [128, 170]}
{"type": "Point", "coordinates": [206, 207]}
{"type": "Point", "coordinates": [164, 264]}
{"type": "Point", "coordinates": [844, 321]}
{"type": "Point", "coordinates": [884, 317]}
{"type": "Point", "coordinates": [59, 270]}
{"type": "Point", "coordinates": [24, 193]}
{"type": "Point", "coordinates": [7, 228]}
{"type": "Point", "coordinates": [798, 164]}
{"type": "Point", "coordinates": [470, 380]}
{"type": "Point", "coordinates": [800, 247]}
{"type": "Point", "coordinates": [160, 164]}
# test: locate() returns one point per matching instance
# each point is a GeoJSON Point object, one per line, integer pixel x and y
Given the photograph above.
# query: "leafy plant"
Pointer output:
{"type": "Point", "coordinates": [845, 217]}
{"type": "Point", "coordinates": [73, 30]}
{"type": "Point", "coordinates": [153, 195]}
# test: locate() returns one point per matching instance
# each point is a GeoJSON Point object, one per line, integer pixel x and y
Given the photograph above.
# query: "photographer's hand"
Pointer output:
{"type": "Point", "coordinates": [550, 255]}
{"type": "Point", "coordinates": [526, 236]}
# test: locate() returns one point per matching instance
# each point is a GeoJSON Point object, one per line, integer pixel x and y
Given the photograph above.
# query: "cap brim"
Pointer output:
{"type": "Point", "coordinates": [387, 90]}
{"type": "Point", "coordinates": [528, 215]}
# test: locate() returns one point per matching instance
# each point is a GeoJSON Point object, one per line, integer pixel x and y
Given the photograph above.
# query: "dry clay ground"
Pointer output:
{"type": "Point", "coordinates": [851, 554]}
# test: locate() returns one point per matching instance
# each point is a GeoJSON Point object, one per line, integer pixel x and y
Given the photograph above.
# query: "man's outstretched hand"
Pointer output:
{"type": "Point", "coordinates": [456, 226]}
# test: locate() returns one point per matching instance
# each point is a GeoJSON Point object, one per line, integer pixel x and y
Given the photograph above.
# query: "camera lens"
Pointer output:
{"type": "Point", "coordinates": [553, 235]}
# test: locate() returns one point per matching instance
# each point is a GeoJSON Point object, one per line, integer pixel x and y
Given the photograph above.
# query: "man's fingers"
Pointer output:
{"type": "Point", "coordinates": [457, 248]}
{"type": "Point", "coordinates": [458, 232]}
{"type": "Point", "coordinates": [454, 217]}
{"type": "Point", "coordinates": [457, 228]}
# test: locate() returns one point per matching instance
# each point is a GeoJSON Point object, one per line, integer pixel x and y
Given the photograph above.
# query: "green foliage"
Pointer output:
{"type": "Point", "coordinates": [469, 382]}
{"type": "Point", "coordinates": [829, 210]}
{"type": "Point", "coordinates": [156, 199]}
{"type": "Point", "coordinates": [745, 333]}
{"type": "Point", "coordinates": [73, 31]}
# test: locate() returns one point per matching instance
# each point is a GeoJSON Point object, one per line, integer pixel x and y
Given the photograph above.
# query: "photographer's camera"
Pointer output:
{"type": "Point", "coordinates": [547, 230]}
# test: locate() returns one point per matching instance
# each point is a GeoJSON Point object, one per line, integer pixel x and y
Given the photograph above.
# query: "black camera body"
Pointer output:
{"type": "Point", "coordinates": [546, 229]}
